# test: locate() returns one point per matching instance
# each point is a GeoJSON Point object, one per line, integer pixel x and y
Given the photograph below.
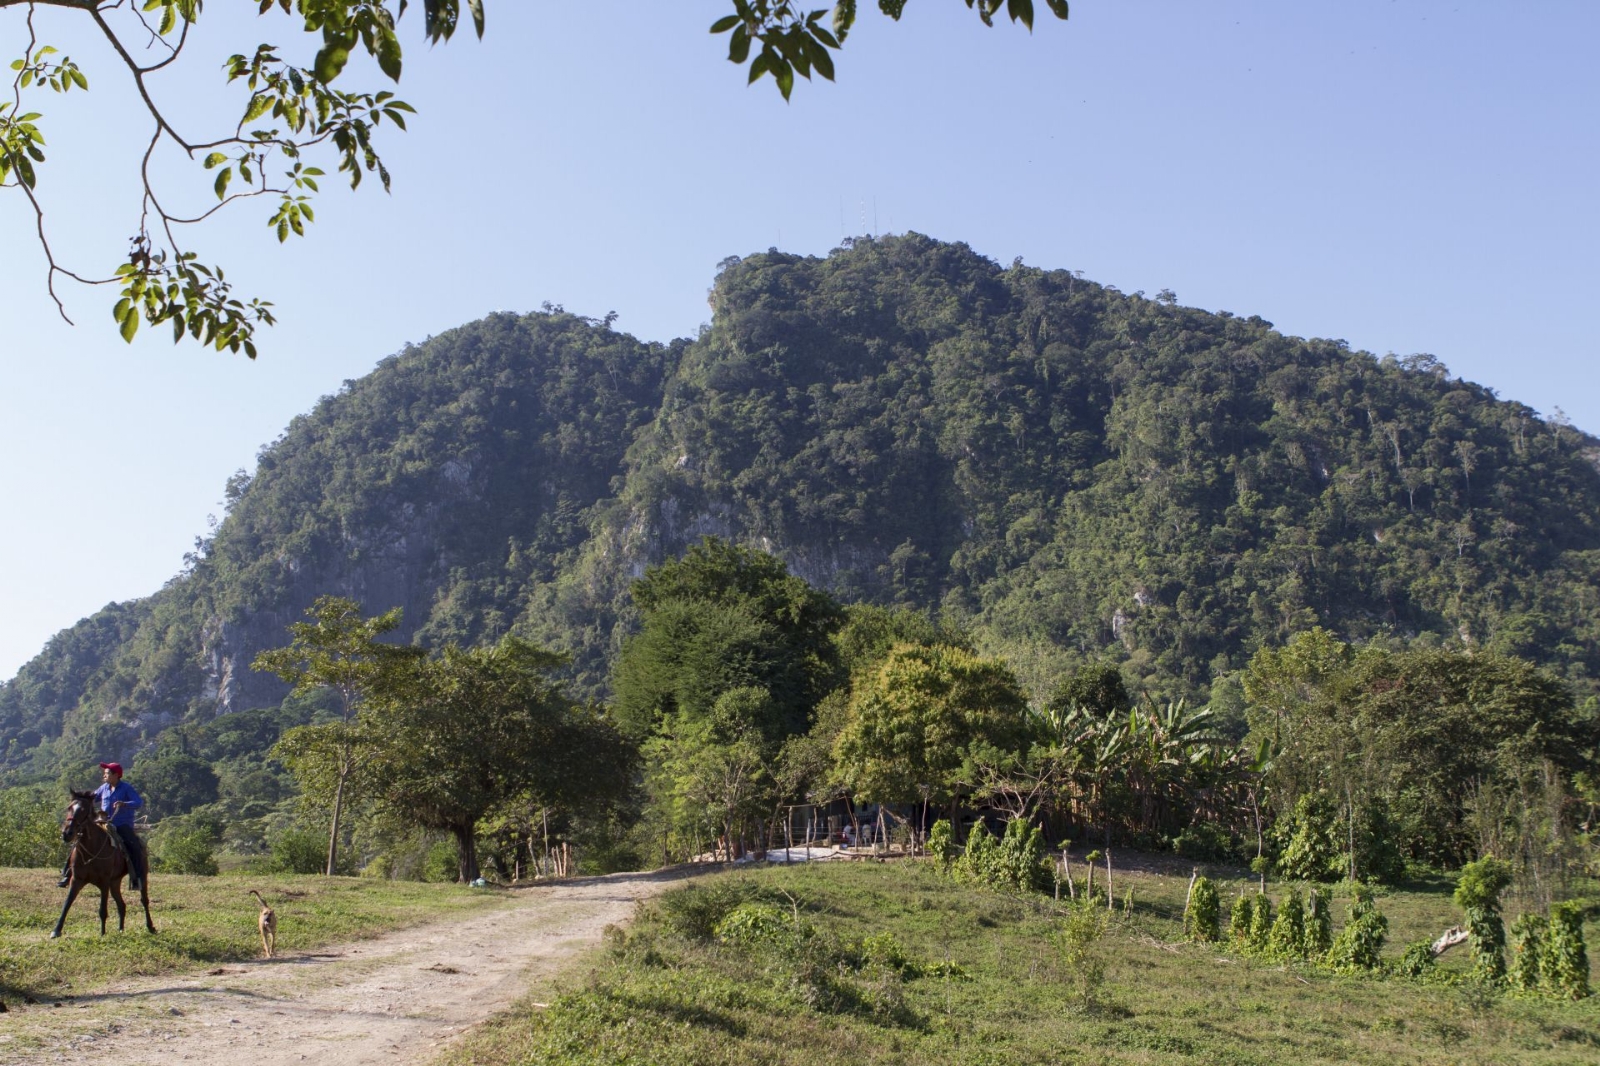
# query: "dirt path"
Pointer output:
{"type": "Point", "coordinates": [399, 998]}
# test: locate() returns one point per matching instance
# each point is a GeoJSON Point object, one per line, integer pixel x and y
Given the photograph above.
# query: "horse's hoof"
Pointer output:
{"type": "Point", "coordinates": [55, 936]}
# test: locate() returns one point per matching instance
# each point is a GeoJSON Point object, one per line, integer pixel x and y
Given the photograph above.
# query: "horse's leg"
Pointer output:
{"type": "Point", "coordinates": [144, 897]}
{"type": "Point", "coordinates": [122, 907]}
{"type": "Point", "coordinates": [72, 893]}
{"type": "Point", "coordinates": [105, 901]}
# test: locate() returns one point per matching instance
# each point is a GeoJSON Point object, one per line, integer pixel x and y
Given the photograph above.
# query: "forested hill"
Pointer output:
{"type": "Point", "coordinates": [1071, 471]}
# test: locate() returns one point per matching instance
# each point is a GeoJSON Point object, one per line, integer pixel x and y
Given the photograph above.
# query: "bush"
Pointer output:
{"type": "Point", "coordinates": [695, 911]}
{"type": "Point", "coordinates": [942, 844]}
{"type": "Point", "coordinates": [1261, 923]}
{"type": "Point", "coordinates": [1359, 945]}
{"type": "Point", "coordinates": [1530, 932]}
{"type": "Point", "coordinates": [1311, 849]}
{"type": "Point", "coordinates": [758, 924]}
{"type": "Point", "coordinates": [30, 829]}
{"type": "Point", "coordinates": [1244, 909]}
{"type": "Point", "coordinates": [443, 863]}
{"type": "Point", "coordinates": [1204, 917]}
{"type": "Point", "coordinates": [1077, 939]}
{"type": "Point", "coordinates": [1319, 926]}
{"type": "Point", "coordinates": [1478, 893]}
{"type": "Point", "coordinates": [1288, 935]}
{"type": "Point", "coordinates": [1015, 861]}
{"type": "Point", "coordinates": [1564, 962]}
{"type": "Point", "coordinates": [1204, 842]}
{"type": "Point", "coordinates": [190, 850]}
{"type": "Point", "coordinates": [298, 850]}
{"type": "Point", "coordinates": [1418, 961]}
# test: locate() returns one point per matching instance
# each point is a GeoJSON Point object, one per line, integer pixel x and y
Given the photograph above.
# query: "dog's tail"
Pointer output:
{"type": "Point", "coordinates": [257, 895]}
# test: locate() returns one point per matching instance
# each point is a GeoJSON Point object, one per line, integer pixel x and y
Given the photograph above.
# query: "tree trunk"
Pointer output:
{"type": "Point", "coordinates": [467, 850]}
{"type": "Point", "coordinates": [333, 834]}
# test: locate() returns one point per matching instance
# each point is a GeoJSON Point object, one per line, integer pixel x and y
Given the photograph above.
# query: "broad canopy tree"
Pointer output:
{"type": "Point", "coordinates": [293, 120]}
{"type": "Point", "coordinates": [464, 731]}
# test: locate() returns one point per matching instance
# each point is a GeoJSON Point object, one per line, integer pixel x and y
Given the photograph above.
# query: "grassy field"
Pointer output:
{"type": "Point", "coordinates": [201, 921]}
{"type": "Point", "coordinates": [973, 977]}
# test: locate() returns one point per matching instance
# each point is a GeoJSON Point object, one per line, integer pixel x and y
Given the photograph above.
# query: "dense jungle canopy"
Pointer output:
{"type": "Point", "coordinates": [1066, 472]}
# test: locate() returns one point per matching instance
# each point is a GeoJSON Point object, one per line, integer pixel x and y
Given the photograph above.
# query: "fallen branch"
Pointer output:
{"type": "Point", "coordinates": [1449, 939]}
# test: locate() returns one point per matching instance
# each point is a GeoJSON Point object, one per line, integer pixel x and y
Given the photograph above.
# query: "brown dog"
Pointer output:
{"type": "Point", "coordinates": [269, 925]}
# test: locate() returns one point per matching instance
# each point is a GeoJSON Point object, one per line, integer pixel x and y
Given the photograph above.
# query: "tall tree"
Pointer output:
{"type": "Point", "coordinates": [338, 650]}
{"type": "Point", "coordinates": [922, 721]}
{"type": "Point", "coordinates": [470, 729]}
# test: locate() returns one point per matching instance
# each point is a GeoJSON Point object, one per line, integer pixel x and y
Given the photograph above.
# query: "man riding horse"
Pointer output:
{"type": "Point", "coordinates": [118, 800]}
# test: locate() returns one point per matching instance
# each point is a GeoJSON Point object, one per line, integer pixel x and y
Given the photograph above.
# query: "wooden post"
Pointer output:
{"type": "Point", "coordinates": [1187, 896]}
{"type": "Point", "coordinates": [1110, 895]}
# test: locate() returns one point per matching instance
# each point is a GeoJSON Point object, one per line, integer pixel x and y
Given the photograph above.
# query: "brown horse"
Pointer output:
{"type": "Point", "coordinates": [97, 859]}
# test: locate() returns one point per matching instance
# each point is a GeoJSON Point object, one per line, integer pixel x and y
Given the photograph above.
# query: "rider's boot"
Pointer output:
{"type": "Point", "coordinates": [66, 875]}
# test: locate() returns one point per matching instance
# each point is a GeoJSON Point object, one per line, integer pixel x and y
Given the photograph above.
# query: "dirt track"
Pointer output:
{"type": "Point", "coordinates": [399, 997]}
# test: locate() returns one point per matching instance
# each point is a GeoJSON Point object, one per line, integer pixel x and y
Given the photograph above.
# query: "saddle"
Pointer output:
{"type": "Point", "coordinates": [116, 839]}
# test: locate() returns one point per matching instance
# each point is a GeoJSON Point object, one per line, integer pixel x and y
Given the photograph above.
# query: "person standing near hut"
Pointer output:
{"type": "Point", "coordinates": [118, 800]}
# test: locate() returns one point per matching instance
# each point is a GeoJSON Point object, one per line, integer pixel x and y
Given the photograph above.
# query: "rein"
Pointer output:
{"type": "Point", "coordinates": [79, 840]}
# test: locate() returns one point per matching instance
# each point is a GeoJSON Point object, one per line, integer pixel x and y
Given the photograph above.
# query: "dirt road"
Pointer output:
{"type": "Point", "coordinates": [396, 998]}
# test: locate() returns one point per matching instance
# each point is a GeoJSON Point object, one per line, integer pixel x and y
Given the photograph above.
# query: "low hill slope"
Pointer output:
{"type": "Point", "coordinates": [1070, 470]}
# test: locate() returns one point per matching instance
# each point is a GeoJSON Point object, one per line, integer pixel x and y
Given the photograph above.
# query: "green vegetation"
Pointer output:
{"type": "Point", "coordinates": [296, 117]}
{"type": "Point", "coordinates": [1121, 570]}
{"type": "Point", "coordinates": [776, 966]}
{"type": "Point", "coordinates": [202, 921]}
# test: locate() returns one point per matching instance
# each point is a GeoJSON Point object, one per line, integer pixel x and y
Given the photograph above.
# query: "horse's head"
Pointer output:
{"type": "Point", "coordinates": [79, 811]}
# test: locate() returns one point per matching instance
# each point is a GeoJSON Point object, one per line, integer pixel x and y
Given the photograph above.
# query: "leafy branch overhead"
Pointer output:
{"type": "Point", "coordinates": [794, 41]}
{"type": "Point", "coordinates": [291, 115]}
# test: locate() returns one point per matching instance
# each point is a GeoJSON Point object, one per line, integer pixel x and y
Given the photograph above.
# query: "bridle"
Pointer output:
{"type": "Point", "coordinates": [73, 831]}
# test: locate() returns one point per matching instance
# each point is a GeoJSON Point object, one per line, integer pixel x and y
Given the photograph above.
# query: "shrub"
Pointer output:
{"type": "Point", "coordinates": [1205, 911]}
{"type": "Point", "coordinates": [190, 850]}
{"type": "Point", "coordinates": [942, 844]}
{"type": "Point", "coordinates": [1530, 931]}
{"type": "Point", "coordinates": [759, 924]}
{"type": "Point", "coordinates": [1478, 893]}
{"type": "Point", "coordinates": [693, 912]}
{"type": "Point", "coordinates": [299, 850]}
{"type": "Point", "coordinates": [30, 829]}
{"type": "Point", "coordinates": [442, 864]}
{"type": "Point", "coordinates": [1359, 945]}
{"type": "Point", "coordinates": [1020, 862]}
{"type": "Point", "coordinates": [978, 861]}
{"type": "Point", "coordinates": [1244, 909]}
{"type": "Point", "coordinates": [1077, 939]}
{"type": "Point", "coordinates": [1204, 842]}
{"type": "Point", "coordinates": [1418, 961]}
{"type": "Point", "coordinates": [1564, 962]}
{"type": "Point", "coordinates": [1289, 930]}
{"type": "Point", "coordinates": [1311, 849]}
{"type": "Point", "coordinates": [1261, 923]}
{"type": "Point", "coordinates": [1319, 926]}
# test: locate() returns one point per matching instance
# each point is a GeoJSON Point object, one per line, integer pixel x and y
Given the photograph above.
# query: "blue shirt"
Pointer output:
{"type": "Point", "coordinates": [123, 793]}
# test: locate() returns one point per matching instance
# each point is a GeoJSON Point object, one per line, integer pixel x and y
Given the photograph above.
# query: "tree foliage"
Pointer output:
{"type": "Point", "coordinates": [456, 734]}
{"type": "Point", "coordinates": [293, 116]}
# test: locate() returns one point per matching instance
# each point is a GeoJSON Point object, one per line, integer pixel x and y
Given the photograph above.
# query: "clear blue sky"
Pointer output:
{"type": "Point", "coordinates": [1409, 176]}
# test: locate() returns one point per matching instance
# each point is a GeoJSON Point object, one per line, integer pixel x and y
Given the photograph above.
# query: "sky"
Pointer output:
{"type": "Point", "coordinates": [1406, 175]}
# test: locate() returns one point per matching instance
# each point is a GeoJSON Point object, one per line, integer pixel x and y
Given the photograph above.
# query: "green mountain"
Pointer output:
{"type": "Point", "coordinates": [1071, 471]}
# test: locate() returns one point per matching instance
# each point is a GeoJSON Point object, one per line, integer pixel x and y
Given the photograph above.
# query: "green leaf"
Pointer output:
{"type": "Point", "coordinates": [388, 54]}
{"type": "Point", "coordinates": [221, 184]}
{"type": "Point", "coordinates": [1058, 8]}
{"type": "Point", "coordinates": [214, 159]}
{"type": "Point", "coordinates": [331, 59]}
{"type": "Point", "coordinates": [725, 23]}
{"type": "Point", "coordinates": [1021, 11]}
{"type": "Point", "coordinates": [130, 324]}
{"type": "Point", "coordinates": [784, 74]}
{"type": "Point", "coordinates": [739, 46]}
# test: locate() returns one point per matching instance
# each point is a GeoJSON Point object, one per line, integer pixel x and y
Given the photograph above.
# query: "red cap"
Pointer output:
{"type": "Point", "coordinates": [114, 767]}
